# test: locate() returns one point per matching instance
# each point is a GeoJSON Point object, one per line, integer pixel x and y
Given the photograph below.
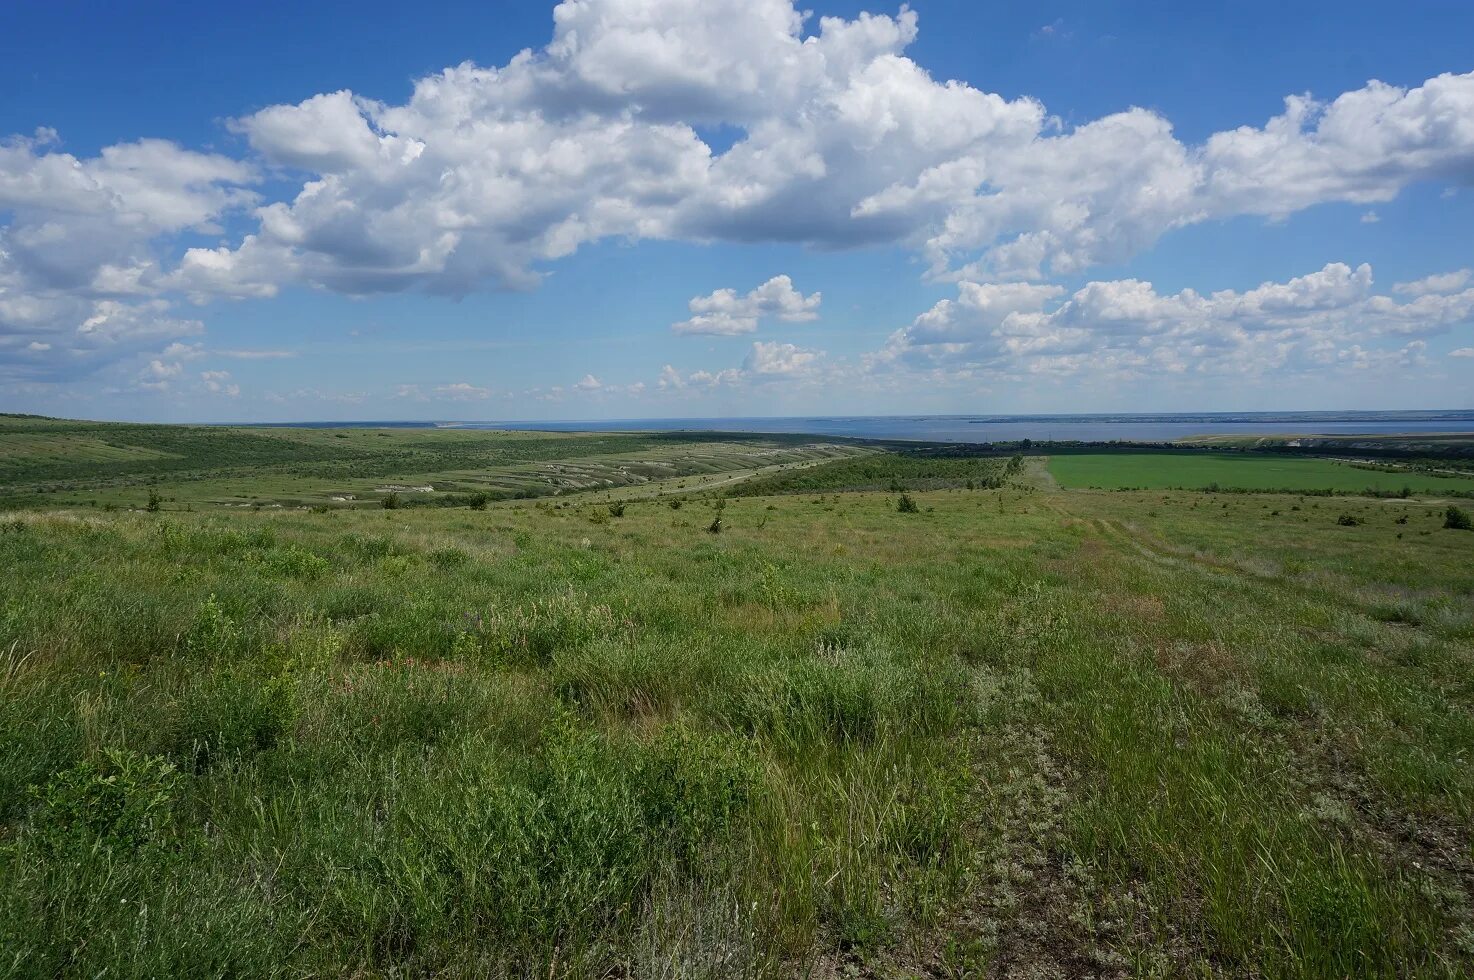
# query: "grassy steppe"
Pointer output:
{"type": "Point", "coordinates": [1197, 470]}
{"type": "Point", "coordinates": [1017, 733]}
{"type": "Point", "coordinates": [57, 462]}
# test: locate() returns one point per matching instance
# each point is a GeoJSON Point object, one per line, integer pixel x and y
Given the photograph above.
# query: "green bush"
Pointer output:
{"type": "Point", "coordinates": [906, 505]}
{"type": "Point", "coordinates": [1457, 519]}
{"type": "Point", "coordinates": [223, 717]}
{"type": "Point", "coordinates": [692, 787]}
{"type": "Point", "coordinates": [295, 562]}
{"type": "Point", "coordinates": [531, 634]}
{"type": "Point", "coordinates": [214, 635]}
{"type": "Point", "coordinates": [121, 801]}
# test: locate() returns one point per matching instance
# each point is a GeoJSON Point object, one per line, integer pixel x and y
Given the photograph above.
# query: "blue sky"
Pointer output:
{"type": "Point", "coordinates": [674, 208]}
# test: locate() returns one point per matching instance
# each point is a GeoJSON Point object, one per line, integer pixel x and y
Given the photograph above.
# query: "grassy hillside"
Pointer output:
{"type": "Point", "coordinates": [1241, 471]}
{"type": "Point", "coordinates": [915, 470]}
{"type": "Point", "coordinates": [55, 462]}
{"type": "Point", "coordinates": [1020, 732]}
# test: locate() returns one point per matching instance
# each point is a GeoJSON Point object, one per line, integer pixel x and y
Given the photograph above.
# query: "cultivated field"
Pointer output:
{"type": "Point", "coordinates": [1021, 731]}
{"type": "Point", "coordinates": [1242, 471]}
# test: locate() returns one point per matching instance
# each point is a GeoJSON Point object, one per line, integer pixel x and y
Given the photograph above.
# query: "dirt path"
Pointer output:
{"type": "Point", "coordinates": [1422, 844]}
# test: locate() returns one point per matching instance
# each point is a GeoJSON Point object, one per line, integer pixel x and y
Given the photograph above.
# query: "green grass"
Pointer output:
{"type": "Point", "coordinates": [1020, 731]}
{"type": "Point", "coordinates": [1238, 471]}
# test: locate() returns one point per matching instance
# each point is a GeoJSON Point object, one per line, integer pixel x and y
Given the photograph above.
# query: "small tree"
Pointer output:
{"type": "Point", "coordinates": [1457, 519]}
{"type": "Point", "coordinates": [478, 500]}
{"type": "Point", "coordinates": [153, 502]}
{"type": "Point", "coordinates": [390, 501]}
{"type": "Point", "coordinates": [906, 505]}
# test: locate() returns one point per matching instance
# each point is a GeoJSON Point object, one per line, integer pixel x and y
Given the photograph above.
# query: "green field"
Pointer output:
{"type": "Point", "coordinates": [1024, 731]}
{"type": "Point", "coordinates": [1238, 471]}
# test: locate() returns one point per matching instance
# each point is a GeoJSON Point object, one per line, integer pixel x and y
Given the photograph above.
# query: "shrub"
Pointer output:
{"type": "Point", "coordinates": [692, 787]}
{"type": "Point", "coordinates": [123, 801]}
{"type": "Point", "coordinates": [449, 557]}
{"type": "Point", "coordinates": [715, 527]}
{"type": "Point", "coordinates": [214, 634]}
{"type": "Point", "coordinates": [675, 505]}
{"type": "Point", "coordinates": [295, 562]}
{"type": "Point", "coordinates": [531, 634]}
{"type": "Point", "coordinates": [390, 501]}
{"type": "Point", "coordinates": [616, 510]}
{"type": "Point", "coordinates": [478, 500]}
{"type": "Point", "coordinates": [1457, 519]}
{"type": "Point", "coordinates": [1348, 520]}
{"type": "Point", "coordinates": [153, 502]}
{"type": "Point", "coordinates": [224, 717]}
{"type": "Point", "coordinates": [906, 505]}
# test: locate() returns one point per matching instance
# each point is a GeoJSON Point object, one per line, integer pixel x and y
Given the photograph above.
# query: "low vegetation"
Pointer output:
{"type": "Point", "coordinates": [54, 462]}
{"type": "Point", "coordinates": [894, 471]}
{"type": "Point", "coordinates": [1003, 731]}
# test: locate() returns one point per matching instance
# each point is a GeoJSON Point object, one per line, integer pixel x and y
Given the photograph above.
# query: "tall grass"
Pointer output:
{"type": "Point", "coordinates": [516, 742]}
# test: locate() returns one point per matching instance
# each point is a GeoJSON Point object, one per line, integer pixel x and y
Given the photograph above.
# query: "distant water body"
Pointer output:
{"type": "Point", "coordinates": [1041, 428]}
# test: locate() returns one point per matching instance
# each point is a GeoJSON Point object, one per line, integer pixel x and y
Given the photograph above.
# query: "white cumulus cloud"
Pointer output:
{"type": "Point", "coordinates": [487, 173]}
{"type": "Point", "coordinates": [770, 358]}
{"type": "Point", "coordinates": [485, 176]}
{"type": "Point", "coordinates": [725, 313]}
{"type": "Point", "coordinates": [1126, 327]}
